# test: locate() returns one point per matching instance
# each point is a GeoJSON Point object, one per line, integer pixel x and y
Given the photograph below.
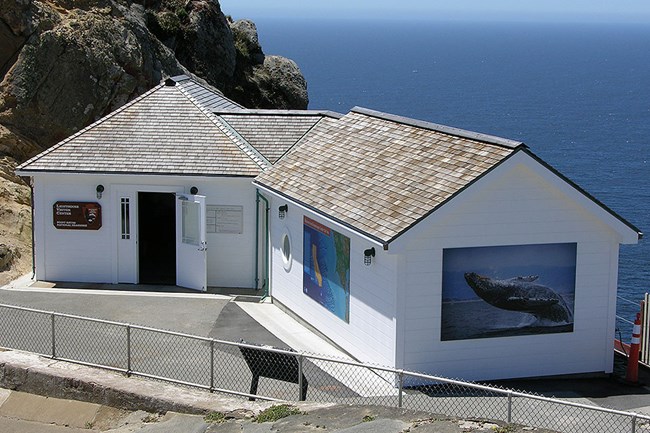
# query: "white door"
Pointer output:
{"type": "Point", "coordinates": [191, 245]}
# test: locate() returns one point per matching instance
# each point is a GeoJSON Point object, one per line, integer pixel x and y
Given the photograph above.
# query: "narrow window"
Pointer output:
{"type": "Point", "coordinates": [191, 218]}
{"type": "Point", "coordinates": [126, 219]}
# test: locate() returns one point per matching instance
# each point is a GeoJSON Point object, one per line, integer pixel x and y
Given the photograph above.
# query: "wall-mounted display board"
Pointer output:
{"type": "Point", "coordinates": [224, 219]}
{"type": "Point", "coordinates": [326, 269]}
{"type": "Point", "coordinates": [73, 215]}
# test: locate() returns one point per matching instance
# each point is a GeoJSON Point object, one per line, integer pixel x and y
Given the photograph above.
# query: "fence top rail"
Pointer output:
{"type": "Point", "coordinates": [505, 392]}
{"type": "Point", "coordinates": [57, 314]}
{"type": "Point", "coordinates": [627, 300]}
{"type": "Point", "coordinates": [622, 319]}
{"type": "Point", "coordinates": [513, 393]}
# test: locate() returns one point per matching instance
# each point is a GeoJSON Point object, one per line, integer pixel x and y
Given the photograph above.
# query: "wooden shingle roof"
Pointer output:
{"type": "Point", "coordinates": [180, 127]}
{"type": "Point", "coordinates": [380, 174]}
{"type": "Point", "coordinates": [164, 131]}
{"type": "Point", "coordinates": [274, 132]}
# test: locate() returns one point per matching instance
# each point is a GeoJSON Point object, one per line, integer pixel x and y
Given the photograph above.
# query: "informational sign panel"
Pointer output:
{"type": "Point", "coordinates": [326, 269]}
{"type": "Point", "coordinates": [224, 219]}
{"type": "Point", "coordinates": [72, 215]}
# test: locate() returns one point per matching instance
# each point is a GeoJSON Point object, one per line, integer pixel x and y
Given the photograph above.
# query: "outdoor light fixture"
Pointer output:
{"type": "Point", "coordinates": [368, 255]}
{"type": "Point", "coordinates": [100, 190]}
{"type": "Point", "coordinates": [194, 190]}
{"type": "Point", "coordinates": [282, 211]}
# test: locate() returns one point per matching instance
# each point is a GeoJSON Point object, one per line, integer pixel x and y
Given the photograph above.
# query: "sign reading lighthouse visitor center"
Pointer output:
{"type": "Point", "coordinates": [70, 215]}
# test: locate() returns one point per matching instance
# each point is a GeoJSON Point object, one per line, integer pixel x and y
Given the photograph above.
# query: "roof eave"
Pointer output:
{"type": "Point", "coordinates": [374, 238]}
{"type": "Point", "coordinates": [28, 173]}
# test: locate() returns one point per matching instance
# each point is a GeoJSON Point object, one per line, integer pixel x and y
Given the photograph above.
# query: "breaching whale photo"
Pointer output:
{"type": "Point", "coordinates": [504, 291]}
{"type": "Point", "coordinates": [521, 294]}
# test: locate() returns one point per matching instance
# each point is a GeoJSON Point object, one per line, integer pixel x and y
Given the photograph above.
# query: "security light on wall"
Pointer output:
{"type": "Point", "coordinates": [194, 190]}
{"type": "Point", "coordinates": [368, 255]}
{"type": "Point", "coordinates": [282, 211]}
{"type": "Point", "coordinates": [99, 190]}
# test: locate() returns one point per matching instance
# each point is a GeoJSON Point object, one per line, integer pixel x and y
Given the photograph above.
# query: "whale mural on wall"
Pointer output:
{"type": "Point", "coordinates": [521, 294]}
{"type": "Point", "coordinates": [505, 291]}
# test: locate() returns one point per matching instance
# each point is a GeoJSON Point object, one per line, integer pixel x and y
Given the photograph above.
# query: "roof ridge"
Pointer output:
{"type": "Point", "coordinates": [172, 81]}
{"type": "Point", "coordinates": [458, 132]}
{"type": "Point", "coordinates": [297, 143]}
{"type": "Point", "coordinates": [92, 125]}
{"type": "Point", "coordinates": [246, 147]}
{"type": "Point", "coordinates": [276, 112]}
{"type": "Point", "coordinates": [231, 133]}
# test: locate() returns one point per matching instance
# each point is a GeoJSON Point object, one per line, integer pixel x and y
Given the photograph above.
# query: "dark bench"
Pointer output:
{"type": "Point", "coordinates": [280, 366]}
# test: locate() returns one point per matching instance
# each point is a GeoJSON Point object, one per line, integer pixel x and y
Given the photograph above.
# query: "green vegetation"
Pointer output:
{"type": "Point", "coordinates": [277, 412]}
{"type": "Point", "coordinates": [368, 418]}
{"type": "Point", "coordinates": [504, 429]}
{"type": "Point", "coordinates": [89, 425]}
{"type": "Point", "coordinates": [215, 417]}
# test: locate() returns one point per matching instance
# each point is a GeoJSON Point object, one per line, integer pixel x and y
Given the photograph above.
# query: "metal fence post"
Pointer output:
{"type": "Point", "coordinates": [300, 377]}
{"type": "Point", "coordinates": [509, 407]}
{"type": "Point", "coordinates": [128, 350]}
{"type": "Point", "coordinates": [400, 384]}
{"type": "Point", "coordinates": [633, 423]}
{"type": "Point", "coordinates": [211, 365]}
{"type": "Point", "coordinates": [52, 315]}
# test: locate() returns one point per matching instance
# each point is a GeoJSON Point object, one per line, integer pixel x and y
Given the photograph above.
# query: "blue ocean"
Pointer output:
{"type": "Point", "coordinates": [577, 94]}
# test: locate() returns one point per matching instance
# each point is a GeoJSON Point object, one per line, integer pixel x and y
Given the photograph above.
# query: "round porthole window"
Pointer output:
{"type": "Point", "coordinates": [286, 251]}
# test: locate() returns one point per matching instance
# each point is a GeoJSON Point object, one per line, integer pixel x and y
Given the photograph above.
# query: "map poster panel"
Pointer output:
{"type": "Point", "coordinates": [69, 215]}
{"type": "Point", "coordinates": [326, 269]}
{"type": "Point", "coordinates": [505, 291]}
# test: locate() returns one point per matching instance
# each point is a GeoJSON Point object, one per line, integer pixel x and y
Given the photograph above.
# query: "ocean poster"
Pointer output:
{"type": "Point", "coordinates": [507, 290]}
{"type": "Point", "coordinates": [326, 269]}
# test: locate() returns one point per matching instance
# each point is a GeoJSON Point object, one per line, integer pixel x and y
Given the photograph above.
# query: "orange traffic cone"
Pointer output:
{"type": "Point", "coordinates": [633, 360]}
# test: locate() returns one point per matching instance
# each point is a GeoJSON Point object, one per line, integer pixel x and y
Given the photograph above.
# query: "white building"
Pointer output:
{"type": "Point", "coordinates": [408, 244]}
{"type": "Point", "coordinates": [432, 210]}
{"type": "Point", "coordinates": [167, 179]}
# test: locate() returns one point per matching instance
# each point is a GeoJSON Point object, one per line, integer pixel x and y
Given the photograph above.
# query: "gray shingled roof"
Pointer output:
{"type": "Point", "coordinates": [380, 174]}
{"type": "Point", "coordinates": [274, 132]}
{"type": "Point", "coordinates": [180, 127]}
{"type": "Point", "coordinates": [165, 131]}
{"type": "Point", "coordinates": [207, 96]}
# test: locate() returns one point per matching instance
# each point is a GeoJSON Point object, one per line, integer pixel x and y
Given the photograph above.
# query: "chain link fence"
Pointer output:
{"type": "Point", "coordinates": [262, 372]}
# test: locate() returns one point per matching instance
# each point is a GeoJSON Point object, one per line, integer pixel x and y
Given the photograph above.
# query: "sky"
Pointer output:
{"type": "Point", "coordinates": [491, 10]}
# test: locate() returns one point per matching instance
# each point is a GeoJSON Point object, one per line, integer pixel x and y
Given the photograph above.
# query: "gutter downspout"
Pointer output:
{"type": "Point", "coordinates": [266, 284]}
{"type": "Point", "coordinates": [31, 199]}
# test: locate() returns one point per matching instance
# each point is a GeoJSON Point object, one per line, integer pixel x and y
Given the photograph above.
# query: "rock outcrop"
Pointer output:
{"type": "Point", "coordinates": [66, 63]}
{"type": "Point", "coordinates": [264, 81]}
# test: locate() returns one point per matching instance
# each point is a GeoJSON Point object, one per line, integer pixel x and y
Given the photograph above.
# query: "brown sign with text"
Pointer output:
{"type": "Point", "coordinates": [69, 215]}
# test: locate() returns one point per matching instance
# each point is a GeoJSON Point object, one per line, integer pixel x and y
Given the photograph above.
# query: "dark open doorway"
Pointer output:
{"type": "Point", "coordinates": [157, 237]}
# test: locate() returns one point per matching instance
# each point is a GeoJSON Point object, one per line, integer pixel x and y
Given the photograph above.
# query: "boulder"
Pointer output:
{"type": "Point", "coordinates": [264, 81]}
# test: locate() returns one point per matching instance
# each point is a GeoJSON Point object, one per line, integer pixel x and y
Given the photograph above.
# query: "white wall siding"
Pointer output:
{"type": "Point", "coordinates": [70, 255]}
{"type": "Point", "coordinates": [514, 205]}
{"type": "Point", "coordinates": [91, 256]}
{"type": "Point", "coordinates": [370, 334]}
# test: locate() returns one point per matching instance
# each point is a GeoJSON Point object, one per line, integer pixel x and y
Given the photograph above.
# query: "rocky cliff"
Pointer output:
{"type": "Point", "coordinates": [66, 63]}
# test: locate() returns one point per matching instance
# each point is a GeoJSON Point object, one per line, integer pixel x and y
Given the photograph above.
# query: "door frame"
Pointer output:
{"type": "Point", "coordinates": [132, 190]}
